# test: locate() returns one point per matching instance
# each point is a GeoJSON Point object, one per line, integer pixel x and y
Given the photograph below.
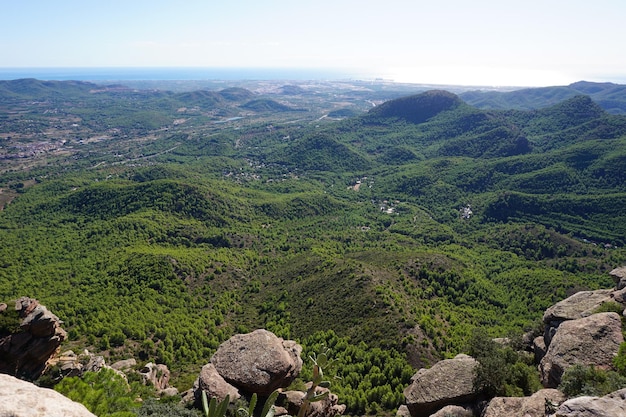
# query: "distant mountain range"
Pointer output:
{"type": "Point", "coordinates": [611, 97]}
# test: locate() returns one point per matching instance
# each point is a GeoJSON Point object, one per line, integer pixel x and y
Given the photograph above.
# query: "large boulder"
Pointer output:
{"type": "Point", "coordinates": [533, 406]}
{"type": "Point", "coordinates": [582, 304]}
{"type": "Point", "coordinates": [214, 385]}
{"type": "Point", "coordinates": [22, 399]}
{"type": "Point", "coordinates": [448, 382]}
{"type": "Point", "coordinates": [576, 306]}
{"type": "Point", "coordinates": [612, 405]}
{"type": "Point", "coordinates": [258, 362]}
{"type": "Point", "coordinates": [27, 346]}
{"type": "Point", "coordinates": [592, 340]}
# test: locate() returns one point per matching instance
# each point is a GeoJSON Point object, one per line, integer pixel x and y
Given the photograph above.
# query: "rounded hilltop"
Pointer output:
{"type": "Point", "coordinates": [418, 108]}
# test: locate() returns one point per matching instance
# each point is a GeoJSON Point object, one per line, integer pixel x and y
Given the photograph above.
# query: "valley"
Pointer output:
{"type": "Point", "coordinates": [158, 223]}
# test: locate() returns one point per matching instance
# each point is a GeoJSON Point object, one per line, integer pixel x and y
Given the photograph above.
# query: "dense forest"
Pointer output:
{"type": "Point", "coordinates": [388, 236]}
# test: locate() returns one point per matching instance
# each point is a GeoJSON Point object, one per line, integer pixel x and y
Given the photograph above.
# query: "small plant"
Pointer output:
{"type": "Point", "coordinates": [268, 407]}
{"type": "Point", "coordinates": [319, 362]}
{"type": "Point", "coordinates": [212, 408]}
{"type": "Point", "coordinates": [610, 307]}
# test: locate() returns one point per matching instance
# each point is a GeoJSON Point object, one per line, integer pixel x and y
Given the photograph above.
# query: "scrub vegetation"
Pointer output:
{"type": "Point", "coordinates": [390, 237]}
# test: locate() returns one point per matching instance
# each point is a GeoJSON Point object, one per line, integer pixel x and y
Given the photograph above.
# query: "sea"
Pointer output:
{"type": "Point", "coordinates": [173, 73]}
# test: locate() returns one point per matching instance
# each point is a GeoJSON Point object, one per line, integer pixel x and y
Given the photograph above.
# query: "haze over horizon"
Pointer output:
{"type": "Point", "coordinates": [483, 43]}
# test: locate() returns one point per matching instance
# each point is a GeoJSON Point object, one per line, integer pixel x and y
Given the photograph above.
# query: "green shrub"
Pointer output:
{"type": "Point", "coordinates": [588, 380]}
{"type": "Point", "coordinates": [155, 408]}
{"type": "Point", "coordinates": [620, 360]}
{"type": "Point", "coordinates": [610, 307]}
{"type": "Point", "coordinates": [501, 370]}
{"type": "Point", "coordinates": [104, 393]}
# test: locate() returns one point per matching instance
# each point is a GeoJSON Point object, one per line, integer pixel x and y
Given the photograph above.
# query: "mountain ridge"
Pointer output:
{"type": "Point", "coordinates": [610, 96]}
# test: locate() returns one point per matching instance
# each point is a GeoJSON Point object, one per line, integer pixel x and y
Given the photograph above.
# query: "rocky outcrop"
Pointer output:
{"type": "Point", "coordinates": [582, 304]}
{"type": "Point", "coordinates": [157, 375]}
{"type": "Point", "coordinates": [592, 340]}
{"type": "Point", "coordinates": [328, 407]}
{"type": "Point", "coordinates": [612, 405]}
{"type": "Point", "coordinates": [258, 362]}
{"type": "Point", "coordinates": [575, 333]}
{"type": "Point", "coordinates": [533, 406]}
{"type": "Point", "coordinates": [448, 382]}
{"type": "Point", "coordinates": [26, 348]}
{"type": "Point", "coordinates": [69, 364]}
{"type": "Point", "coordinates": [22, 399]}
{"type": "Point", "coordinates": [95, 363]}
{"type": "Point", "coordinates": [125, 365]}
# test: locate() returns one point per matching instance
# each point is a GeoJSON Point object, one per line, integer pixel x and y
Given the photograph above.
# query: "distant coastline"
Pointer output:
{"type": "Point", "coordinates": [173, 73]}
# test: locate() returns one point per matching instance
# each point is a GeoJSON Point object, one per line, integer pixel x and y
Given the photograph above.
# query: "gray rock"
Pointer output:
{"type": "Point", "coordinates": [403, 411]}
{"type": "Point", "coordinates": [448, 382]}
{"type": "Point", "coordinates": [619, 277]}
{"type": "Point", "coordinates": [188, 397]}
{"type": "Point", "coordinates": [533, 406]}
{"type": "Point", "coordinates": [539, 348]}
{"type": "Point", "coordinates": [527, 341]}
{"type": "Point", "coordinates": [453, 411]}
{"type": "Point", "coordinates": [169, 392]}
{"type": "Point", "coordinates": [22, 399]}
{"type": "Point", "coordinates": [328, 407]}
{"type": "Point", "coordinates": [69, 364]}
{"type": "Point", "coordinates": [579, 305]}
{"type": "Point", "coordinates": [24, 306]}
{"type": "Point", "coordinates": [124, 365]}
{"type": "Point", "coordinates": [214, 385]}
{"type": "Point", "coordinates": [258, 362]}
{"type": "Point", "coordinates": [40, 322]}
{"type": "Point", "coordinates": [157, 375]}
{"type": "Point", "coordinates": [94, 364]}
{"type": "Point", "coordinates": [619, 296]}
{"type": "Point", "coordinates": [582, 304]}
{"type": "Point", "coordinates": [612, 405]}
{"type": "Point", "coordinates": [592, 340]}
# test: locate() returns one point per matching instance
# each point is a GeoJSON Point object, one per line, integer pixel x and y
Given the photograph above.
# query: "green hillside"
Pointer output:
{"type": "Point", "coordinates": [265, 105]}
{"type": "Point", "coordinates": [609, 96]}
{"type": "Point", "coordinates": [349, 233]}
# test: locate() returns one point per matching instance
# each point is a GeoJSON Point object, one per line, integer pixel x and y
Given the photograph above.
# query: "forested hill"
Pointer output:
{"type": "Point", "coordinates": [388, 237]}
{"type": "Point", "coordinates": [610, 96]}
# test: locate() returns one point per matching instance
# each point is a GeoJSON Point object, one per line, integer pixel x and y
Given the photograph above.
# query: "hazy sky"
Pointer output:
{"type": "Point", "coordinates": [473, 42]}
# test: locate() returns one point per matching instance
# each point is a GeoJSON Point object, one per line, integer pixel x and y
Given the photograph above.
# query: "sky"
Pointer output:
{"type": "Point", "coordinates": [460, 42]}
